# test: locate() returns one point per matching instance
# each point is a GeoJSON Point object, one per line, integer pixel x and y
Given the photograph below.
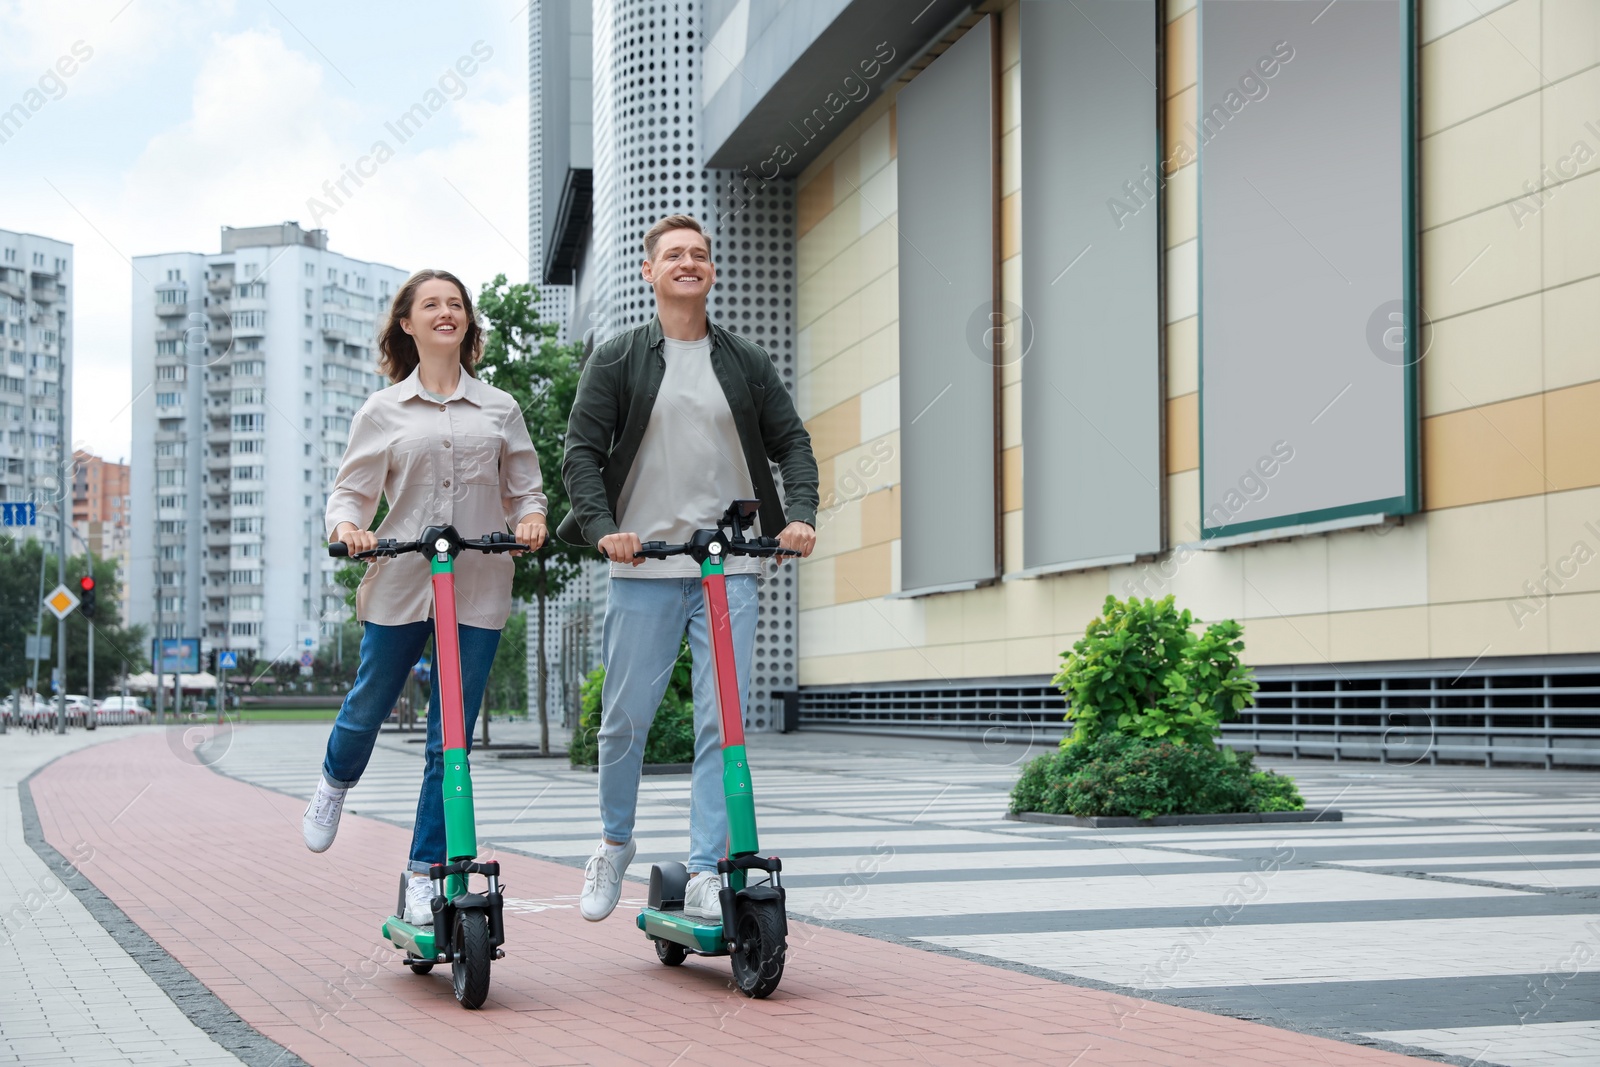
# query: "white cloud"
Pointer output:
{"type": "Point", "coordinates": [267, 127]}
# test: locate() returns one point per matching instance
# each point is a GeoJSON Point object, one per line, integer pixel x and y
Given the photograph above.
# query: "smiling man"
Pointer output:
{"type": "Point", "coordinates": [673, 421]}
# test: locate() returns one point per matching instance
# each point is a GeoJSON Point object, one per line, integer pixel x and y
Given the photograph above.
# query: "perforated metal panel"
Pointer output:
{"type": "Point", "coordinates": [647, 64]}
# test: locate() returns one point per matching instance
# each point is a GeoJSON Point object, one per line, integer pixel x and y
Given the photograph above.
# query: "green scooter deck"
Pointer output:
{"type": "Point", "coordinates": [416, 940]}
{"type": "Point", "coordinates": [678, 928]}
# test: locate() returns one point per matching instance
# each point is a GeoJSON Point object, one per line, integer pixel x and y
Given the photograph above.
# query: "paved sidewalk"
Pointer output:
{"type": "Point", "coordinates": [69, 993]}
{"type": "Point", "coordinates": [1456, 909]}
{"type": "Point", "coordinates": [288, 940]}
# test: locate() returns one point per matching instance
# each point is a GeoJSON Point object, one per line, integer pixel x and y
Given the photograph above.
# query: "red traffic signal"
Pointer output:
{"type": "Point", "coordinates": [86, 583]}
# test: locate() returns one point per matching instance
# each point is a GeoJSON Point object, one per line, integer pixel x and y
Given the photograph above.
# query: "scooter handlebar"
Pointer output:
{"type": "Point", "coordinates": [499, 541]}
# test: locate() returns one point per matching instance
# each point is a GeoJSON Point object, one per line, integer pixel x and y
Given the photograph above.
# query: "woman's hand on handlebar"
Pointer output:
{"type": "Point", "coordinates": [532, 531]}
{"type": "Point", "coordinates": [621, 548]}
{"type": "Point", "coordinates": [355, 539]}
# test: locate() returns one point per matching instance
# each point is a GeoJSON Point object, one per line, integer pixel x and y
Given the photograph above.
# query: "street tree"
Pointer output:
{"type": "Point", "coordinates": [521, 356]}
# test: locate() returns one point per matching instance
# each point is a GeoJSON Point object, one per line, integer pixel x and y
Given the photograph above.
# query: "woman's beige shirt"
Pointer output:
{"type": "Point", "coordinates": [467, 462]}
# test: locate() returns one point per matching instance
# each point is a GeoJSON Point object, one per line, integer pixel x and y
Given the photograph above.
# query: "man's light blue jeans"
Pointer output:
{"type": "Point", "coordinates": [645, 620]}
{"type": "Point", "coordinates": [387, 655]}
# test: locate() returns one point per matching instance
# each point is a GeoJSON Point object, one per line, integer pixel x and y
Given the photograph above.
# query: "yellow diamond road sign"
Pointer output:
{"type": "Point", "coordinates": [61, 601]}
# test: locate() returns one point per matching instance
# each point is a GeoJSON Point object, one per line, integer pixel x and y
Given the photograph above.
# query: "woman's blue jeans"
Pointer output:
{"type": "Point", "coordinates": [387, 656]}
{"type": "Point", "coordinates": [645, 620]}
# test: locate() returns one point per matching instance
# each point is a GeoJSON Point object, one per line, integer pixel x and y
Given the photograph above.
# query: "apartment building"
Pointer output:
{"type": "Point", "coordinates": [248, 364]}
{"type": "Point", "coordinates": [36, 300]}
{"type": "Point", "coordinates": [102, 514]}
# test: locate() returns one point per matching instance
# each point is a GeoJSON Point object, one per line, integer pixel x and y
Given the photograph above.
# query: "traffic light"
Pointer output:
{"type": "Point", "coordinates": [86, 596]}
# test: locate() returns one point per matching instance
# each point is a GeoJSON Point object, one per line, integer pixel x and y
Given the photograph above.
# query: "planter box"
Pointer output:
{"type": "Point", "coordinates": [1107, 821]}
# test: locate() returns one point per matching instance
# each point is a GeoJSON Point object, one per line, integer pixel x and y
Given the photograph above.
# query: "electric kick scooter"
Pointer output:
{"type": "Point", "coordinates": [468, 927]}
{"type": "Point", "coordinates": [754, 924]}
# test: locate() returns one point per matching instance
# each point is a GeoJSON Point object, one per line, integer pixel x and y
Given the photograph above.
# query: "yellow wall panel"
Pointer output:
{"type": "Point", "coordinates": [880, 516]}
{"type": "Point", "coordinates": [1489, 452]}
{"type": "Point", "coordinates": [837, 428]}
{"type": "Point", "coordinates": [862, 574]}
{"type": "Point", "coordinates": [1573, 620]}
{"type": "Point", "coordinates": [813, 201]}
{"type": "Point", "coordinates": [1183, 52]}
{"type": "Point", "coordinates": [1011, 479]}
{"type": "Point", "coordinates": [1485, 551]}
{"type": "Point", "coordinates": [1183, 433]}
{"type": "Point", "coordinates": [1572, 436]}
{"type": "Point", "coordinates": [1485, 628]}
{"type": "Point", "coordinates": [1010, 226]}
{"type": "Point", "coordinates": [1389, 633]}
{"type": "Point", "coordinates": [1183, 356]}
{"type": "Point", "coordinates": [1287, 639]}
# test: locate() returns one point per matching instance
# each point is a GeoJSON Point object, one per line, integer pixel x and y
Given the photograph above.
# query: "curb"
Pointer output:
{"type": "Point", "coordinates": [1107, 821]}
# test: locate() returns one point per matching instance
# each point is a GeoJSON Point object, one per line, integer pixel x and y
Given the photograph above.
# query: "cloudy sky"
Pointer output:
{"type": "Point", "coordinates": [190, 115]}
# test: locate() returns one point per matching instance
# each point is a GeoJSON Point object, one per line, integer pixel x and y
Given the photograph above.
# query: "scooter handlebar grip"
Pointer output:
{"type": "Point", "coordinates": [338, 549]}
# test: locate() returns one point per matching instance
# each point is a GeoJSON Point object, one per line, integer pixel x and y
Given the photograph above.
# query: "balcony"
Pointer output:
{"type": "Point", "coordinates": [220, 308]}
{"type": "Point", "coordinates": [219, 334]}
{"type": "Point", "coordinates": [220, 283]}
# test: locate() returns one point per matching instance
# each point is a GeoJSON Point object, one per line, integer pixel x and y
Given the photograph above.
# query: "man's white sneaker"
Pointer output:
{"type": "Point", "coordinates": [321, 820]}
{"type": "Point", "coordinates": [602, 879]}
{"type": "Point", "coordinates": [419, 902]}
{"type": "Point", "coordinates": [702, 899]}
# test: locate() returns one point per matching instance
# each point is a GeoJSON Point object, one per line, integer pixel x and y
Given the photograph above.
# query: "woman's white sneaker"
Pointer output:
{"type": "Point", "coordinates": [321, 820]}
{"type": "Point", "coordinates": [602, 879]}
{"type": "Point", "coordinates": [419, 902]}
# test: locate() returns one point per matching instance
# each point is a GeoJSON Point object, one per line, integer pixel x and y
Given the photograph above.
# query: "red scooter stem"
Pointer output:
{"type": "Point", "coordinates": [715, 589]}
{"type": "Point", "coordinates": [447, 661]}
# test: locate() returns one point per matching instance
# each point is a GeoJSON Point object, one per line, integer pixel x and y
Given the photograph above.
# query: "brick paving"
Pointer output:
{"type": "Point", "coordinates": [215, 872]}
{"type": "Point", "coordinates": [69, 993]}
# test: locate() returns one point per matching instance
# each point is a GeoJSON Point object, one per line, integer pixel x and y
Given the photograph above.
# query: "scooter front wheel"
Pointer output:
{"type": "Point", "coordinates": [469, 970]}
{"type": "Point", "coordinates": [758, 964]}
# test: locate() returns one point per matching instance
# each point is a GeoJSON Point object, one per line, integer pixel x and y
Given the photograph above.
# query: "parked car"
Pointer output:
{"type": "Point", "coordinates": [120, 709]}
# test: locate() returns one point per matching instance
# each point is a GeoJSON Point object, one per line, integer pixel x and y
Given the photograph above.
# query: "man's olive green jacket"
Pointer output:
{"type": "Point", "coordinates": [615, 395]}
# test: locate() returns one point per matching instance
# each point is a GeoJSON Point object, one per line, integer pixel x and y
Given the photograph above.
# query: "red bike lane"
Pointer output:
{"type": "Point", "coordinates": [213, 870]}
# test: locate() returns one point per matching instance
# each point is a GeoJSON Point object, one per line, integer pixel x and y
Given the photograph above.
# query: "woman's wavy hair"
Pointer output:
{"type": "Point", "coordinates": [398, 350]}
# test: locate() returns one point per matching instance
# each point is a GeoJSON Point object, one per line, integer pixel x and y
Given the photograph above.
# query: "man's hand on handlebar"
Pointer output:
{"type": "Point", "coordinates": [621, 548]}
{"type": "Point", "coordinates": [800, 537]}
{"type": "Point", "coordinates": [355, 539]}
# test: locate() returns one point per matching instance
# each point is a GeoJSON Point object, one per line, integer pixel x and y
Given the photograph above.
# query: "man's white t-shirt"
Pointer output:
{"type": "Point", "coordinates": [689, 467]}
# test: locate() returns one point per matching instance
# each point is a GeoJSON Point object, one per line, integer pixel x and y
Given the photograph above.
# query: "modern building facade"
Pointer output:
{"type": "Point", "coordinates": [248, 364]}
{"type": "Point", "coordinates": [102, 510]}
{"type": "Point", "coordinates": [36, 300]}
{"type": "Point", "coordinates": [644, 85]}
{"type": "Point", "coordinates": [1296, 327]}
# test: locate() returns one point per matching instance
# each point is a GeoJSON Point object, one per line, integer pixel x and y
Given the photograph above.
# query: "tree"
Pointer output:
{"type": "Point", "coordinates": [118, 648]}
{"type": "Point", "coordinates": [522, 356]}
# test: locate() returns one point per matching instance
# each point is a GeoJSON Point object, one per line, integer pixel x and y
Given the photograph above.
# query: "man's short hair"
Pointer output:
{"type": "Point", "coordinates": [673, 222]}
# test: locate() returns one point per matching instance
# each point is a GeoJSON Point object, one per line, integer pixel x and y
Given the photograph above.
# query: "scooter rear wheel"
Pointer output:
{"type": "Point", "coordinates": [469, 971]}
{"type": "Point", "coordinates": [758, 964]}
{"type": "Point", "coordinates": [419, 966]}
{"type": "Point", "coordinates": [670, 952]}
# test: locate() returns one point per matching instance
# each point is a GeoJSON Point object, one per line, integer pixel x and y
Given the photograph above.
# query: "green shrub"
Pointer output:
{"type": "Point", "coordinates": [1140, 669]}
{"type": "Point", "coordinates": [1119, 774]}
{"type": "Point", "coordinates": [671, 738]}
